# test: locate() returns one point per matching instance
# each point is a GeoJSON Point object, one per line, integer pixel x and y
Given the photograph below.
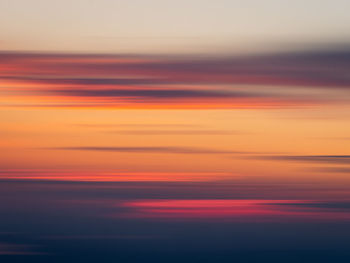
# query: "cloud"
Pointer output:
{"type": "Point", "coordinates": [155, 93]}
{"type": "Point", "coordinates": [214, 81]}
{"type": "Point", "coordinates": [345, 170]}
{"type": "Point", "coordinates": [171, 132]}
{"type": "Point", "coordinates": [316, 68]}
{"type": "Point", "coordinates": [90, 184]}
{"type": "Point", "coordinates": [17, 249]}
{"type": "Point", "coordinates": [137, 125]}
{"type": "Point", "coordinates": [235, 209]}
{"type": "Point", "coordinates": [171, 150]}
{"type": "Point", "coordinates": [342, 159]}
{"type": "Point", "coordinates": [89, 81]}
{"type": "Point", "coordinates": [102, 237]}
{"type": "Point", "coordinates": [333, 206]}
{"type": "Point", "coordinates": [158, 129]}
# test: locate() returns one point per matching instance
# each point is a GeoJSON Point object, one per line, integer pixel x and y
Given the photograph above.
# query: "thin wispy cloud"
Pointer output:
{"type": "Point", "coordinates": [171, 150]}
{"type": "Point", "coordinates": [332, 170]}
{"type": "Point", "coordinates": [136, 125]}
{"type": "Point", "coordinates": [156, 93]}
{"type": "Point", "coordinates": [342, 159]}
{"type": "Point", "coordinates": [174, 132]}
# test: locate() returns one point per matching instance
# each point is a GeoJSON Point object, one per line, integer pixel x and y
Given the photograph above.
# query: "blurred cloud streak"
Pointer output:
{"type": "Point", "coordinates": [188, 81]}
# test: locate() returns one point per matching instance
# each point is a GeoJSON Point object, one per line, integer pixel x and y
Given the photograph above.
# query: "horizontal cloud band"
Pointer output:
{"type": "Point", "coordinates": [187, 81]}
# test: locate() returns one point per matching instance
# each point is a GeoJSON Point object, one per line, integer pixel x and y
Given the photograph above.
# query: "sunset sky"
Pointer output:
{"type": "Point", "coordinates": [174, 131]}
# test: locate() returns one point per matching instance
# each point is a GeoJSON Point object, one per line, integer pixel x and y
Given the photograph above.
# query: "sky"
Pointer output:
{"type": "Point", "coordinates": [163, 131]}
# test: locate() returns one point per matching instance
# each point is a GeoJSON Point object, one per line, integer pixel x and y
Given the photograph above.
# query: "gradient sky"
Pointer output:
{"type": "Point", "coordinates": [181, 26]}
{"type": "Point", "coordinates": [163, 131]}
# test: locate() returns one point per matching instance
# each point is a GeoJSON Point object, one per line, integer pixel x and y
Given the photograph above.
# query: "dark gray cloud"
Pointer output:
{"type": "Point", "coordinates": [323, 68]}
{"type": "Point", "coordinates": [91, 81]}
{"type": "Point", "coordinates": [156, 93]}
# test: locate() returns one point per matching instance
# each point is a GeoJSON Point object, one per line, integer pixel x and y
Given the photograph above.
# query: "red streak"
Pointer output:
{"type": "Point", "coordinates": [245, 210]}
